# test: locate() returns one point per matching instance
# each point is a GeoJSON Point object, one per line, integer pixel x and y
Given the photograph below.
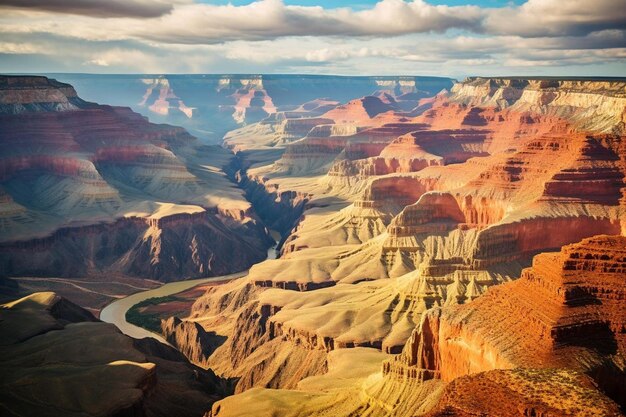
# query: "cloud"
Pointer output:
{"type": "Point", "coordinates": [96, 8]}
{"type": "Point", "coordinates": [206, 24]}
{"type": "Point", "coordinates": [20, 48]}
{"type": "Point", "coordinates": [557, 18]}
{"type": "Point", "coordinates": [392, 36]}
{"type": "Point", "coordinates": [270, 19]}
{"type": "Point", "coordinates": [97, 62]}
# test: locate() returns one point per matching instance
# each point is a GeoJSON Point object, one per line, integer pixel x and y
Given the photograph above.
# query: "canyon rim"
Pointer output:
{"type": "Point", "coordinates": [286, 208]}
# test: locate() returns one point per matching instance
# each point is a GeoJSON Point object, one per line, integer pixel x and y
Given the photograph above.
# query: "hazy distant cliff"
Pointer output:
{"type": "Point", "coordinates": [211, 105]}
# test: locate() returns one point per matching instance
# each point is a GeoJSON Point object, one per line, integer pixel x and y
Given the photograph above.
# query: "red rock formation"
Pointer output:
{"type": "Point", "coordinates": [567, 310]}
{"type": "Point", "coordinates": [412, 152]}
{"type": "Point", "coordinates": [252, 105]}
{"type": "Point", "coordinates": [324, 144]}
{"type": "Point", "coordinates": [524, 392]}
{"type": "Point", "coordinates": [166, 99]}
{"type": "Point", "coordinates": [359, 111]}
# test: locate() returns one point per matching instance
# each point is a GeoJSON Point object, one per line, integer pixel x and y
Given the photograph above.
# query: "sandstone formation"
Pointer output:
{"type": "Point", "coordinates": [58, 360]}
{"type": "Point", "coordinates": [407, 211]}
{"type": "Point", "coordinates": [87, 188]}
{"type": "Point", "coordinates": [524, 392]}
{"type": "Point", "coordinates": [567, 311]}
{"type": "Point", "coordinates": [550, 343]}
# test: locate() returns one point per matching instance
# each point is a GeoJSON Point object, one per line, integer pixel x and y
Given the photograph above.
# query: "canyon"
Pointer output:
{"type": "Point", "coordinates": [445, 249]}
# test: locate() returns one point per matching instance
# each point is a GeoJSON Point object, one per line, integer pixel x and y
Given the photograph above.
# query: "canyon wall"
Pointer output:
{"type": "Point", "coordinates": [566, 311]}
{"type": "Point", "coordinates": [89, 188]}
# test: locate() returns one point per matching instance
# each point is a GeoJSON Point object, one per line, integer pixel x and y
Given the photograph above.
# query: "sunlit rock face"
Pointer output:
{"type": "Point", "coordinates": [90, 188]}
{"type": "Point", "coordinates": [566, 311]}
{"type": "Point", "coordinates": [211, 105]}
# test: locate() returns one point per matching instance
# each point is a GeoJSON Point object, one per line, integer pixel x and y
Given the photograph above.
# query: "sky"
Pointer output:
{"type": "Point", "coordinates": [362, 37]}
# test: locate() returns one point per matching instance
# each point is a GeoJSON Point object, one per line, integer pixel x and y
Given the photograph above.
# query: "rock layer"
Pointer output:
{"type": "Point", "coordinates": [566, 311]}
{"type": "Point", "coordinates": [89, 188]}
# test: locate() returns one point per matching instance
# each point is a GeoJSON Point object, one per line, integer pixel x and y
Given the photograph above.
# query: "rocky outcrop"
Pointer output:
{"type": "Point", "coordinates": [513, 393]}
{"type": "Point", "coordinates": [359, 111]}
{"type": "Point", "coordinates": [565, 311]}
{"type": "Point", "coordinates": [410, 152]}
{"type": "Point", "coordinates": [333, 149]}
{"type": "Point", "coordinates": [53, 349]}
{"type": "Point", "coordinates": [180, 245]}
{"type": "Point", "coordinates": [190, 339]}
{"type": "Point", "coordinates": [20, 94]}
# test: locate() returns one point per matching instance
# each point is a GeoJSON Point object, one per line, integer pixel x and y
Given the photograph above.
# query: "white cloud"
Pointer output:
{"type": "Point", "coordinates": [20, 48]}
{"type": "Point", "coordinates": [393, 36]}
{"type": "Point", "coordinates": [557, 17]}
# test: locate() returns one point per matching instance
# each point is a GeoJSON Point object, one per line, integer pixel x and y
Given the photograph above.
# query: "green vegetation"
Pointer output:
{"type": "Point", "coordinates": [137, 316]}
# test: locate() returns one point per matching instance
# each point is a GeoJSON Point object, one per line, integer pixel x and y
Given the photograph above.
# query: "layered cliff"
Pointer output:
{"type": "Point", "coordinates": [596, 105]}
{"type": "Point", "coordinates": [89, 188]}
{"type": "Point", "coordinates": [32, 94]}
{"type": "Point", "coordinates": [566, 311]}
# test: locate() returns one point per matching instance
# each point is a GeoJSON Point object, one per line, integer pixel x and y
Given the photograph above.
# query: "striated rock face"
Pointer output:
{"type": "Point", "coordinates": [190, 339]}
{"type": "Point", "coordinates": [339, 149]}
{"type": "Point", "coordinates": [32, 94]}
{"type": "Point", "coordinates": [567, 310]}
{"type": "Point", "coordinates": [56, 356]}
{"type": "Point", "coordinates": [89, 188]}
{"type": "Point", "coordinates": [591, 105]}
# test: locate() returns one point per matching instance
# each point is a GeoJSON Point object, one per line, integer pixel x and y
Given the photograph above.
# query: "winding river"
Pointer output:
{"type": "Point", "coordinates": [115, 312]}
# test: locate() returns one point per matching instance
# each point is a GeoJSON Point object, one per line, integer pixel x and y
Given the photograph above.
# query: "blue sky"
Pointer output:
{"type": "Point", "coordinates": [386, 37]}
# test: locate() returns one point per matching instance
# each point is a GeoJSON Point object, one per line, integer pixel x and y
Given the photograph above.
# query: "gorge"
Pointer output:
{"type": "Point", "coordinates": [444, 248]}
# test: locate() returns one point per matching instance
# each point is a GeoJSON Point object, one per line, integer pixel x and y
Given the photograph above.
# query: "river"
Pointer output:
{"type": "Point", "coordinates": [115, 312]}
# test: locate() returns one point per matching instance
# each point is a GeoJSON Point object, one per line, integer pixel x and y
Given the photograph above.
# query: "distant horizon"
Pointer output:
{"type": "Point", "coordinates": [236, 74]}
